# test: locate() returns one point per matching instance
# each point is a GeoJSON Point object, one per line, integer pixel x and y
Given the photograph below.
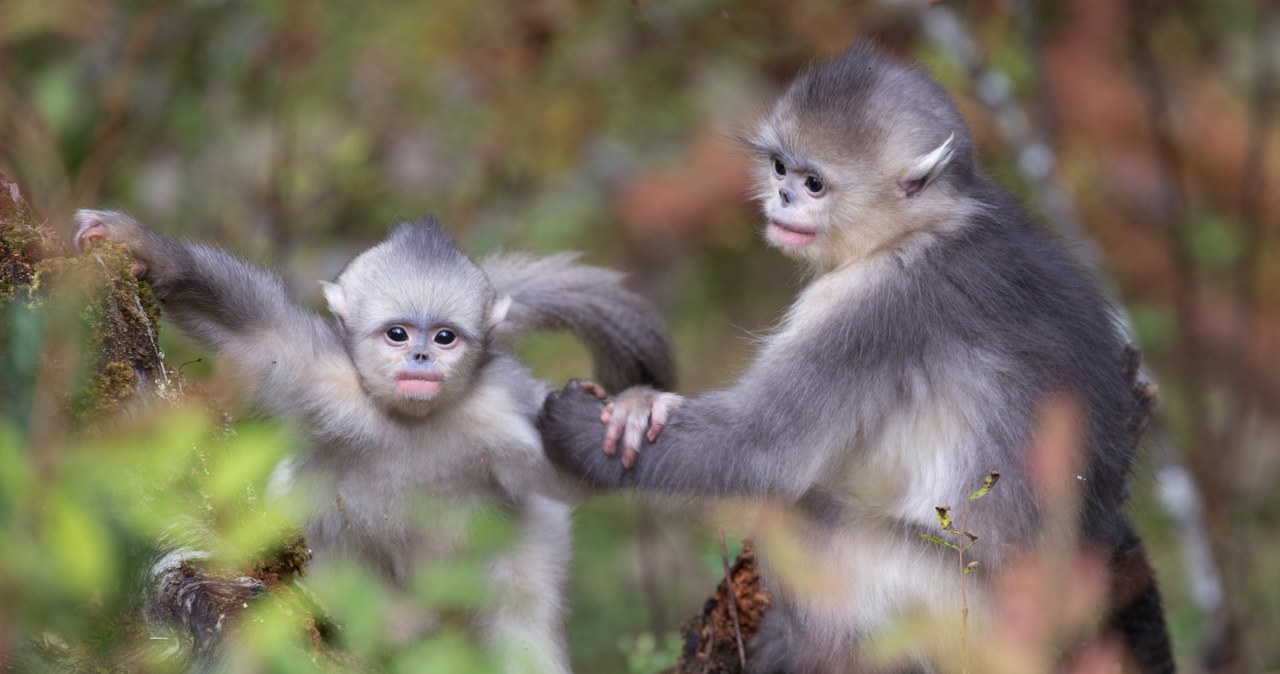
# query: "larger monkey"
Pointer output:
{"type": "Point", "coordinates": [938, 321]}
{"type": "Point", "coordinates": [406, 394]}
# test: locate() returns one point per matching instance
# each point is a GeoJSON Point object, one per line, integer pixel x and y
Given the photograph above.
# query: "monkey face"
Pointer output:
{"type": "Point", "coordinates": [412, 365]}
{"type": "Point", "coordinates": [795, 204]}
{"type": "Point", "coordinates": [802, 181]}
{"type": "Point", "coordinates": [828, 201]}
{"type": "Point", "coordinates": [804, 199]}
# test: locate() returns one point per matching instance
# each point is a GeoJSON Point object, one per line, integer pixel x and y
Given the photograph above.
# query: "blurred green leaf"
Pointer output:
{"type": "Point", "coordinates": [1152, 325]}
{"type": "Point", "coordinates": [1215, 240]}
{"type": "Point", "coordinates": [56, 97]}
{"type": "Point", "coordinates": [358, 600]}
{"type": "Point", "coordinates": [447, 651]}
{"type": "Point", "coordinates": [241, 469]}
{"type": "Point", "coordinates": [84, 554]}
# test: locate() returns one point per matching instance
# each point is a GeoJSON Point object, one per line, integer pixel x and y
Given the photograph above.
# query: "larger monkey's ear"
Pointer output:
{"type": "Point", "coordinates": [927, 167]}
{"type": "Point", "coordinates": [337, 299]}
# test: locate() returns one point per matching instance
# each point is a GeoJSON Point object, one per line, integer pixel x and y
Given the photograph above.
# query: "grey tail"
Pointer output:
{"type": "Point", "coordinates": [628, 341]}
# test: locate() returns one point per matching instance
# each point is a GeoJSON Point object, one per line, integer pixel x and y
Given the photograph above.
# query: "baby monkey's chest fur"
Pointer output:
{"type": "Point", "coordinates": [402, 491]}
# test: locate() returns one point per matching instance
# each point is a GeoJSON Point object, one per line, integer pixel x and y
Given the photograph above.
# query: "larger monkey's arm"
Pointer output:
{"type": "Point", "coordinates": [239, 311]}
{"type": "Point", "coordinates": [772, 434]}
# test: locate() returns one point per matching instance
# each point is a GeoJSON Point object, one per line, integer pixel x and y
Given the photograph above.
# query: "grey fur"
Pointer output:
{"type": "Point", "coordinates": [939, 322]}
{"type": "Point", "coordinates": [373, 454]}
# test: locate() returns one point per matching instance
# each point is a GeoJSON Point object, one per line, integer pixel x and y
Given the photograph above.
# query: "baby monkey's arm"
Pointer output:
{"type": "Point", "coordinates": [239, 311]}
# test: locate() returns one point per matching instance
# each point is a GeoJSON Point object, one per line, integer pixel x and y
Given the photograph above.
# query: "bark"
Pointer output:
{"type": "Point", "coordinates": [710, 640]}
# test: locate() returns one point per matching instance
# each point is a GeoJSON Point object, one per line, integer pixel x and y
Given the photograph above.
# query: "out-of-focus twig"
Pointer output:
{"type": "Point", "coordinates": [1179, 493]}
{"type": "Point", "coordinates": [1034, 155]}
{"type": "Point", "coordinates": [117, 95]}
{"type": "Point", "coordinates": [733, 602]}
{"type": "Point", "coordinates": [1206, 466]}
{"type": "Point", "coordinates": [650, 584]}
{"type": "Point", "coordinates": [1253, 180]}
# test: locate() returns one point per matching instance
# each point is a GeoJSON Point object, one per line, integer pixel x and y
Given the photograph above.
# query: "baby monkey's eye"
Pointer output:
{"type": "Point", "coordinates": [398, 334]}
{"type": "Point", "coordinates": [779, 168]}
{"type": "Point", "coordinates": [814, 184]}
{"type": "Point", "coordinates": [445, 338]}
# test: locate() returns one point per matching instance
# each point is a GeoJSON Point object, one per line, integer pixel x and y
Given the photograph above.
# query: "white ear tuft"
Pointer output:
{"type": "Point", "coordinates": [928, 167]}
{"type": "Point", "coordinates": [337, 299]}
{"type": "Point", "coordinates": [498, 312]}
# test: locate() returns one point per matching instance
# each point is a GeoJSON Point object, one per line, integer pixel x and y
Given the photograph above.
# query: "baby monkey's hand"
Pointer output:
{"type": "Point", "coordinates": [630, 413]}
{"type": "Point", "coordinates": [94, 226]}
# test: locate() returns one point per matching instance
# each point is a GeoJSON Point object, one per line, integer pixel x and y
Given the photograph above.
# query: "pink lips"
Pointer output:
{"type": "Point", "coordinates": [419, 385]}
{"type": "Point", "coordinates": [790, 236]}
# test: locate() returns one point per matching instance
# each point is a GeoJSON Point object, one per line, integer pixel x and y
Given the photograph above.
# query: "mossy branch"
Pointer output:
{"type": "Point", "coordinates": [98, 292]}
{"type": "Point", "coordinates": [122, 316]}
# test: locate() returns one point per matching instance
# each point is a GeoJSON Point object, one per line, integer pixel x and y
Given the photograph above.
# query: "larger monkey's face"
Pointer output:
{"type": "Point", "coordinates": [829, 199]}
{"type": "Point", "coordinates": [810, 183]}
{"type": "Point", "coordinates": [809, 203]}
{"type": "Point", "coordinates": [795, 203]}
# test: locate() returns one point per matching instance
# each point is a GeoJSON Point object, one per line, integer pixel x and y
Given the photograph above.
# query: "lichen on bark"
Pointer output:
{"type": "Point", "coordinates": [125, 320]}
{"type": "Point", "coordinates": [20, 240]}
{"type": "Point", "coordinates": [711, 638]}
{"type": "Point", "coordinates": [122, 315]}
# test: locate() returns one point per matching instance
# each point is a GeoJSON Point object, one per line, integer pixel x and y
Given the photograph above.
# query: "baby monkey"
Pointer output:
{"type": "Point", "coordinates": [938, 323]}
{"type": "Point", "coordinates": [406, 394]}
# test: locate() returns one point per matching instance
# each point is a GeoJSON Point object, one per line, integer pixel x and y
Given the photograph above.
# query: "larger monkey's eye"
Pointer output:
{"type": "Point", "coordinates": [814, 185]}
{"type": "Point", "coordinates": [445, 338]}
{"type": "Point", "coordinates": [398, 334]}
{"type": "Point", "coordinates": [779, 168]}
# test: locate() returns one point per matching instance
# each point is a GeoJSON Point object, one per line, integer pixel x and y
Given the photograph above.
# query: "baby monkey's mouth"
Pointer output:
{"type": "Point", "coordinates": [788, 235]}
{"type": "Point", "coordinates": [419, 384]}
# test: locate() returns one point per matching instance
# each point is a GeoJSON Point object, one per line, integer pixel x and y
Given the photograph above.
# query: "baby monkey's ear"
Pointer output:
{"type": "Point", "coordinates": [337, 299]}
{"type": "Point", "coordinates": [927, 167]}
{"type": "Point", "coordinates": [498, 311]}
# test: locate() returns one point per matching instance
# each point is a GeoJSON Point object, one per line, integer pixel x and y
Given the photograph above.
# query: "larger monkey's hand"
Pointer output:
{"type": "Point", "coordinates": [573, 436]}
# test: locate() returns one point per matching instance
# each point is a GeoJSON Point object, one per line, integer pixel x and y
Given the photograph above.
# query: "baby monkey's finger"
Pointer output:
{"type": "Point", "coordinates": [611, 434]}
{"type": "Point", "coordinates": [631, 438]}
{"type": "Point", "coordinates": [659, 412]}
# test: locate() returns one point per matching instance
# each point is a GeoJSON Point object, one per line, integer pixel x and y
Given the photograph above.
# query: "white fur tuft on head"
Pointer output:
{"type": "Point", "coordinates": [337, 299]}
{"type": "Point", "coordinates": [498, 311]}
{"type": "Point", "coordinates": [928, 167]}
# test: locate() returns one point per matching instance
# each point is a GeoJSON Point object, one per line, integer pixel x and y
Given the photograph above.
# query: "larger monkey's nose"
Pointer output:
{"type": "Point", "coordinates": [421, 356]}
{"type": "Point", "coordinates": [787, 196]}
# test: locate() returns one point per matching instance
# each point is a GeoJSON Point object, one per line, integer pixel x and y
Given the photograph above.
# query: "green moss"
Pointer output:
{"type": "Point", "coordinates": [121, 315]}
{"type": "Point", "coordinates": [112, 385]}
{"type": "Point", "coordinates": [281, 562]}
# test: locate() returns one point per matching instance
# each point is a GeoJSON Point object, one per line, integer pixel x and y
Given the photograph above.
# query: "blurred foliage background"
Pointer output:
{"type": "Point", "coordinates": [295, 132]}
